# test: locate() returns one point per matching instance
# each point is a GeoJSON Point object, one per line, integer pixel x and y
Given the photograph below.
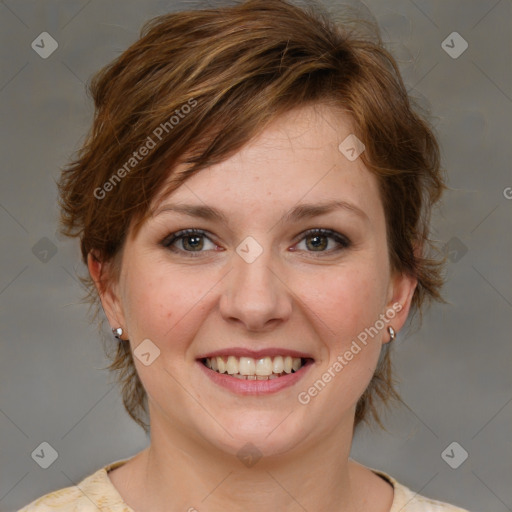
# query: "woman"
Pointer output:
{"type": "Point", "coordinates": [252, 204]}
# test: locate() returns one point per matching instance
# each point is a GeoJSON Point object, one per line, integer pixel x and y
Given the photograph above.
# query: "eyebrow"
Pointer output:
{"type": "Point", "coordinates": [299, 212]}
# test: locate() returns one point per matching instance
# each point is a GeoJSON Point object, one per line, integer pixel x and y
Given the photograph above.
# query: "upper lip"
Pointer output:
{"type": "Point", "coordinates": [255, 354]}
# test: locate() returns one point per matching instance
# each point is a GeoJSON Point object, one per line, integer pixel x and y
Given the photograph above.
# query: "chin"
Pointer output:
{"type": "Point", "coordinates": [265, 436]}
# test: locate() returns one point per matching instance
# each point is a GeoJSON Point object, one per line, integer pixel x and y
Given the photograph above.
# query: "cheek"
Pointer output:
{"type": "Point", "coordinates": [159, 302]}
{"type": "Point", "coordinates": [345, 301]}
{"type": "Point", "coordinates": [344, 308]}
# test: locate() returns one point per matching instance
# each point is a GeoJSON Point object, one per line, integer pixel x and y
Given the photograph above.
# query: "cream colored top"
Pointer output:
{"type": "Point", "coordinates": [96, 492]}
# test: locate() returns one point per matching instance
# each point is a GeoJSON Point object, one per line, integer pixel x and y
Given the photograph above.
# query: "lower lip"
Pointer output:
{"type": "Point", "coordinates": [255, 387]}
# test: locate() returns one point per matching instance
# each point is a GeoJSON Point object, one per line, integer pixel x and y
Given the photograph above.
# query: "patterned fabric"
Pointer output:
{"type": "Point", "coordinates": [96, 492]}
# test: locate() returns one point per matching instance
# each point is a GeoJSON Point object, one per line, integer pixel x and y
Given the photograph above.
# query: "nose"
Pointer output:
{"type": "Point", "coordinates": [254, 294]}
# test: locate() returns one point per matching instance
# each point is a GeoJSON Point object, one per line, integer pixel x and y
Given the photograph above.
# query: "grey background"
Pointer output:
{"type": "Point", "coordinates": [455, 371]}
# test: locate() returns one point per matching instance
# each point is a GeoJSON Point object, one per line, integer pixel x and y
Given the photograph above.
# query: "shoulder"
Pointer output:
{"type": "Point", "coordinates": [93, 493]}
{"type": "Point", "coordinates": [406, 500]}
{"type": "Point", "coordinates": [67, 499]}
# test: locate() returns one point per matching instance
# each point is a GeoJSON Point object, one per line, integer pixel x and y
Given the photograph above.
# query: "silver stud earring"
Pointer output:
{"type": "Point", "coordinates": [117, 332]}
{"type": "Point", "coordinates": [392, 333]}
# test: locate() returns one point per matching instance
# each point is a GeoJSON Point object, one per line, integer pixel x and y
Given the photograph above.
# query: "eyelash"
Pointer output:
{"type": "Point", "coordinates": [343, 241]}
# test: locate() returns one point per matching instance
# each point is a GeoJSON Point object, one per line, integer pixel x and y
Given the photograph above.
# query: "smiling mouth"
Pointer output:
{"type": "Point", "coordinates": [248, 368]}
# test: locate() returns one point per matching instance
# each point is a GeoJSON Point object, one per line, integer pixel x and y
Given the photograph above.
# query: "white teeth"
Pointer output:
{"type": "Point", "coordinates": [249, 368]}
{"type": "Point", "coordinates": [232, 365]}
{"type": "Point", "coordinates": [264, 366]}
{"type": "Point", "coordinates": [246, 366]}
{"type": "Point", "coordinates": [278, 364]}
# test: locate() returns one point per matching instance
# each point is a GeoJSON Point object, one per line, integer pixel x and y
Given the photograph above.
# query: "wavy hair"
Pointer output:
{"type": "Point", "coordinates": [239, 67]}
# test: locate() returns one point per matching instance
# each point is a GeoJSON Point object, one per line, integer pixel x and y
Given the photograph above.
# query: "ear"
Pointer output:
{"type": "Point", "coordinates": [401, 291]}
{"type": "Point", "coordinates": [107, 287]}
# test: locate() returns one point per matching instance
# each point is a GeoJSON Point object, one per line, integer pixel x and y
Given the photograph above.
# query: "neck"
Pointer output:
{"type": "Point", "coordinates": [184, 473]}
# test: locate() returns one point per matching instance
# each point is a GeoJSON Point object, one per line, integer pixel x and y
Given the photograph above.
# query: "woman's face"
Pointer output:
{"type": "Point", "coordinates": [263, 283]}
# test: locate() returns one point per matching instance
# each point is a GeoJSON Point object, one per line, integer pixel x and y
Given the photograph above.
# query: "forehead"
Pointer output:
{"type": "Point", "coordinates": [296, 159]}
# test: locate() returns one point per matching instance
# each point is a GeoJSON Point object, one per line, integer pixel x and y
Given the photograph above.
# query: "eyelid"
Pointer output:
{"type": "Point", "coordinates": [178, 235]}
{"type": "Point", "coordinates": [339, 238]}
{"type": "Point", "coordinates": [342, 240]}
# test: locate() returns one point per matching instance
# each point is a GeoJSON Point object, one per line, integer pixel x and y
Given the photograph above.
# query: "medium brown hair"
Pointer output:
{"type": "Point", "coordinates": [207, 82]}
